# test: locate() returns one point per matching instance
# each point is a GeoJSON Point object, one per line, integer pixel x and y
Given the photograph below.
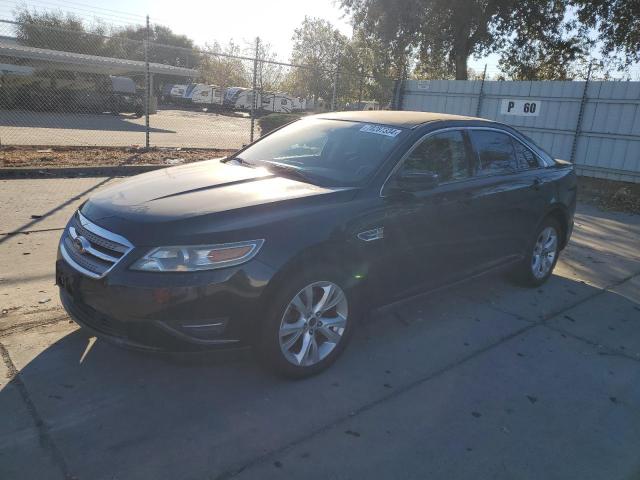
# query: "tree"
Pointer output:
{"type": "Point", "coordinates": [318, 45]}
{"type": "Point", "coordinates": [370, 69]}
{"type": "Point", "coordinates": [270, 75]}
{"type": "Point", "coordinates": [453, 30]}
{"type": "Point", "coordinates": [59, 31]}
{"type": "Point", "coordinates": [164, 46]}
{"type": "Point", "coordinates": [66, 32]}
{"type": "Point", "coordinates": [617, 24]}
{"type": "Point", "coordinates": [223, 70]}
{"type": "Point", "coordinates": [551, 60]}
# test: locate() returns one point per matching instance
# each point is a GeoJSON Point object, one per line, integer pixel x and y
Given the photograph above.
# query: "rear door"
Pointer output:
{"type": "Point", "coordinates": [504, 195]}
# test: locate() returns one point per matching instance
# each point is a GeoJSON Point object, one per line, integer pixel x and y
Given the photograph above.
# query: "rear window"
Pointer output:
{"type": "Point", "coordinates": [495, 152]}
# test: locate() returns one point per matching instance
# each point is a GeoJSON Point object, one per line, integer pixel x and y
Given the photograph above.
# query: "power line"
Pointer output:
{"type": "Point", "coordinates": [82, 12]}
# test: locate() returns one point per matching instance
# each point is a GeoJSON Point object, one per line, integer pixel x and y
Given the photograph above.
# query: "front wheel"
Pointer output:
{"type": "Point", "coordinates": [542, 255]}
{"type": "Point", "coordinates": [308, 325]}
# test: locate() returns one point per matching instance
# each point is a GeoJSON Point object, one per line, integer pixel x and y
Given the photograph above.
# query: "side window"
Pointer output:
{"type": "Point", "coordinates": [495, 152]}
{"type": "Point", "coordinates": [526, 158]}
{"type": "Point", "coordinates": [443, 154]}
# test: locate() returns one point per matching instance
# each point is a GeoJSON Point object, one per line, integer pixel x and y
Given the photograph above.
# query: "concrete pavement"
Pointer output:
{"type": "Point", "coordinates": [484, 380]}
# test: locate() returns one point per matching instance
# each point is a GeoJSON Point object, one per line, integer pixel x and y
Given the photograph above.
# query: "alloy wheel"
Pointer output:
{"type": "Point", "coordinates": [544, 252]}
{"type": "Point", "coordinates": [313, 323]}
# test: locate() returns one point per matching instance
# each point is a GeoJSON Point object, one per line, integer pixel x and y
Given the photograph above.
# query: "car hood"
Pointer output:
{"type": "Point", "coordinates": [199, 189]}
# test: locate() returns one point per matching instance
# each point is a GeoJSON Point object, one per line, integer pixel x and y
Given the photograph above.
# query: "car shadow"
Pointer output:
{"type": "Point", "coordinates": [188, 416]}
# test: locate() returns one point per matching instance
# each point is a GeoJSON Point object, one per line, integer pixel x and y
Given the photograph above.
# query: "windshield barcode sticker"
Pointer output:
{"type": "Point", "coordinates": [379, 130]}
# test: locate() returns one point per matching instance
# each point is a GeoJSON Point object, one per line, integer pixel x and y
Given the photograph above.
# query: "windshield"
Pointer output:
{"type": "Point", "coordinates": [331, 151]}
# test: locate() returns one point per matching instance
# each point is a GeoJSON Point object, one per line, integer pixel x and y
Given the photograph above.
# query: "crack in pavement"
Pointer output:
{"type": "Point", "coordinates": [25, 326]}
{"type": "Point", "coordinates": [604, 349]}
{"type": "Point", "coordinates": [368, 406]}
{"type": "Point", "coordinates": [27, 232]}
{"type": "Point", "coordinates": [46, 441]}
{"type": "Point", "coordinates": [230, 473]}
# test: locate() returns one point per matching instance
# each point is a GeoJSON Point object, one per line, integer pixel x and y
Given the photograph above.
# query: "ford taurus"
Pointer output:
{"type": "Point", "coordinates": [283, 245]}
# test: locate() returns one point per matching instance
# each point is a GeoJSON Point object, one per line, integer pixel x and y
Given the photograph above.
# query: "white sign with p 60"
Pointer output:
{"type": "Point", "coordinates": [523, 108]}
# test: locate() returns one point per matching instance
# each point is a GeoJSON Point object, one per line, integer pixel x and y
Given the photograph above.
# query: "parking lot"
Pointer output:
{"type": "Point", "coordinates": [168, 128]}
{"type": "Point", "coordinates": [484, 380]}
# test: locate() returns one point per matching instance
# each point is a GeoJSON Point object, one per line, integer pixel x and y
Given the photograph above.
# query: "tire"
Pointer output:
{"type": "Point", "coordinates": [282, 312]}
{"type": "Point", "coordinates": [537, 266]}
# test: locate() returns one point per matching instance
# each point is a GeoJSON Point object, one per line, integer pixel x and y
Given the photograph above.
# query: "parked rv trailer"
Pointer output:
{"type": "Point", "coordinates": [207, 95]}
{"type": "Point", "coordinates": [187, 98]}
{"type": "Point", "coordinates": [299, 104]}
{"type": "Point", "coordinates": [276, 102]}
{"type": "Point", "coordinates": [231, 96]}
{"type": "Point", "coordinates": [177, 92]}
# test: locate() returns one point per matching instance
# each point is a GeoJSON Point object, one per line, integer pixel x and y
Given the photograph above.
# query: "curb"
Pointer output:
{"type": "Point", "coordinates": [73, 172]}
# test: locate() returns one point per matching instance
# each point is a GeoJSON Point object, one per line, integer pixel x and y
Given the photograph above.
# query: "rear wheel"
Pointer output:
{"type": "Point", "coordinates": [309, 323]}
{"type": "Point", "coordinates": [542, 254]}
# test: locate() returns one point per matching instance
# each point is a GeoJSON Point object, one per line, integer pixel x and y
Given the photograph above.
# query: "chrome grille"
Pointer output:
{"type": "Point", "coordinates": [91, 249]}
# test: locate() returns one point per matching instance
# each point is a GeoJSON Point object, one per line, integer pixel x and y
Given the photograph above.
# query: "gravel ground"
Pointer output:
{"type": "Point", "coordinates": [36, 157]}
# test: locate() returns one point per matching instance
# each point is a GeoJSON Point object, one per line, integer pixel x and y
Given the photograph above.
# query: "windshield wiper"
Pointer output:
{"type": "Point", "coordinates": [240, 161]}
{"type": "Point", "coordinates": [290, 170]}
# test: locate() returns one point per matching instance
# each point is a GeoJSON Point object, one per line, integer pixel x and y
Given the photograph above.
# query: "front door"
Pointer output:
{"type": "Point", "coordinates": [432, 234]}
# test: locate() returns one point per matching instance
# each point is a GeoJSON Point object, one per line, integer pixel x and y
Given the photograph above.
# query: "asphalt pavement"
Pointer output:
{"type": "Point", "coordinates": [168, 128]}
{"type": "Point", "coordinates": [486, 380]}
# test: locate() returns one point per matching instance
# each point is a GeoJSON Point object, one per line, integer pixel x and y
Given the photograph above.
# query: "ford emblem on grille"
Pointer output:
{"type": "Point", "coordinates": [81, 244]}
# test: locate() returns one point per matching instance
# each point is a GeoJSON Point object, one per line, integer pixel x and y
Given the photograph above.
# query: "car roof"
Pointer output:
{"type": "Point", "coordinates": [406, 119]}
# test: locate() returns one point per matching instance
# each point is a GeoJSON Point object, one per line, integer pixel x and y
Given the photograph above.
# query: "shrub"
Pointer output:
{"type": "Point", "coordinates": [275, 120]}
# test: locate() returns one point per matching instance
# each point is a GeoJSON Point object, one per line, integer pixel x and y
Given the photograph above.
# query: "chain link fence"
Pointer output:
{"type": "Point", "coordinates": [60, 87]}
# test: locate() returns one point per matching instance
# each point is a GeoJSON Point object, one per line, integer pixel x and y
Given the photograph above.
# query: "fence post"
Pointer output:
{"type": "Point", "coordinates": [360, 87]}
{"type": "Point", "coordinates": [576, 135]}
{"type": "Point", "coordinates": [255, 94]}
{"type": "Point", "coordinates": [335, 86]}
{"type": "Point", "coordinates": [147, 87]}
{"type": "Point", "coordinates": [481, 93]}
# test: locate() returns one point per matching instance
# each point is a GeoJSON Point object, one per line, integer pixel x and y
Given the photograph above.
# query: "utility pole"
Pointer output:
{"type": "Point", "coordinates": [147, 86]}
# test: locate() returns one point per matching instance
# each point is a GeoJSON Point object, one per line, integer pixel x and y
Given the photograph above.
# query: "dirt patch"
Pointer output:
{"type": "Point", "coordinates": [610, 194]}
{"type": "Point", "coordinates": [39, 157]}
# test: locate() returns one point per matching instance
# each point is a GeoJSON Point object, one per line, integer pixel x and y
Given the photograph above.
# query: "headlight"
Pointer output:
{"type": "Point", "coordinates": [197, 257]}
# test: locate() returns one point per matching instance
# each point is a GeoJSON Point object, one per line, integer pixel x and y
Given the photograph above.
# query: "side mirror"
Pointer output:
{"type": "Point", "coordinates": [415, 181]}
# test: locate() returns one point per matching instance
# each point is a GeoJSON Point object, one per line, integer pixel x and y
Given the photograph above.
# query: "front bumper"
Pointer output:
{"type": "Point", "coordinates": [167, 311]}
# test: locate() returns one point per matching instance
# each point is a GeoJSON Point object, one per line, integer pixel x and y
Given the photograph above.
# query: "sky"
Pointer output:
{"type": "Point", "coordinates": [206, 21]}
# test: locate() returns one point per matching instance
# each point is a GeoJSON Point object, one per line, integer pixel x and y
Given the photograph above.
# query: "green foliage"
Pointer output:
{"type": "Point", "coordinates": [445, 33]}
{"type": "Point", "coordinates": [67, 32]}
{"type": "Point", "coordinates": [59, 31]}
{"type": "Point", "coordinates": [223, 70]}
{"type": "Point", "coordinates": [164, 46]}
{"type": "Point", "coordinates": [617, 23]}
{"type": "Point", "coordinates": [365, 67]}
{"type": "Point", "coordinates": [534, 60]}
{"type": "Point", "coordinates": [319, 45]}
{"type": "Point", "coordinates": [274, 120]}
